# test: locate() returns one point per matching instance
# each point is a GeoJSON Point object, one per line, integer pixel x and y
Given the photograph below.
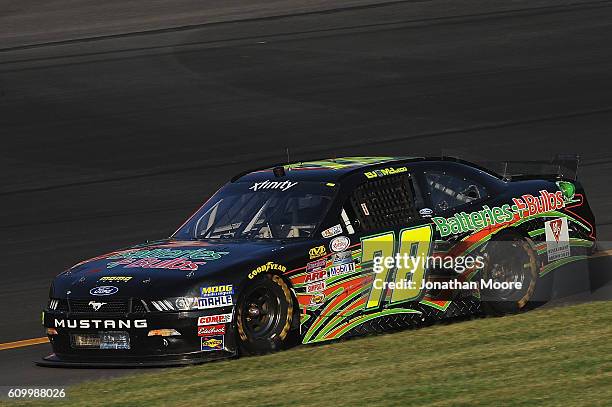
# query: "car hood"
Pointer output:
{"type": "Point", "coordinates": [167, 268]}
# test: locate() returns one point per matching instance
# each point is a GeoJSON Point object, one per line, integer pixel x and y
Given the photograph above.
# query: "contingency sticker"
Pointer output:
{"type": "Point", "coordinates": [212, 343]}
{"type": "Point", "coordinates": [331, 232]}
{"type": "Point", "coordinates": [557, 239]}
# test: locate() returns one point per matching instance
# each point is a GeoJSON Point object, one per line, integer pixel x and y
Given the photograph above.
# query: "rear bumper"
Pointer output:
{"type": "Point", "coordinates": [144, 351]}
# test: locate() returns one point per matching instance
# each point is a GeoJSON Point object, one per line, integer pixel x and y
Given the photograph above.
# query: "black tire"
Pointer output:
{"type": "Point", "coordinates": [264, 316]}
{"type": "Point", "coordinates": [509, 258]}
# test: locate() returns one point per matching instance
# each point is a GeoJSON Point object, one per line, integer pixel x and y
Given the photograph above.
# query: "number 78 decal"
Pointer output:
{"type": "Point", "coordinates": [414, 244]}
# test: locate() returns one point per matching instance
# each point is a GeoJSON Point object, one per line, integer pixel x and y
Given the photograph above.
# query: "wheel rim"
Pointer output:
{"type": "Point", "coordinates": [510, 268]}
{"type": "Point", "coordinates": [260, 312]}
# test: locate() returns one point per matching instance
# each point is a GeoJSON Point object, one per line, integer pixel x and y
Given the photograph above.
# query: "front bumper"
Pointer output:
{"type": "Point", "coordinates": [145, 351]}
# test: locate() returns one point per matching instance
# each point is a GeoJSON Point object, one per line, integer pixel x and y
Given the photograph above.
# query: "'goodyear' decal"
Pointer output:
{"type": "Point", "coordinates": [267, 267]}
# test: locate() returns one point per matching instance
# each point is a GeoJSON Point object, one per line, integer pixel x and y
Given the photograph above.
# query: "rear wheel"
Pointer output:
{"type": "Point", "coordinates": [264, 315]}
{"type": "Point", "coordinates": [510, 260]}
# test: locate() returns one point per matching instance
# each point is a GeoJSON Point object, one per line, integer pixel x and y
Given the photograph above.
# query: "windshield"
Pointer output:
{"type": "Point", "coordinates": [261, 210]}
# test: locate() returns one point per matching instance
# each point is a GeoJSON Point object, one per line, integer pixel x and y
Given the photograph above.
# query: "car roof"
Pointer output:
{"type": "Point", "coordinates": [332, 169]}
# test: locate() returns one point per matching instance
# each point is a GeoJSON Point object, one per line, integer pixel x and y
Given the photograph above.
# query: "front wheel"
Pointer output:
{"type": "Point", "coordinates": [264, 315]}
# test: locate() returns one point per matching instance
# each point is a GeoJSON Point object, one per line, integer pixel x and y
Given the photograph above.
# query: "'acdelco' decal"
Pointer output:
{"type": "Point", "coordinates": [525, 206]}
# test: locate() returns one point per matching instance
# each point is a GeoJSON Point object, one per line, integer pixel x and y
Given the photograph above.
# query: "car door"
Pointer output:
{"type": "Point", "coordinates": [379, 217]}
{"type": "Point", "coordinates": [387, 213]}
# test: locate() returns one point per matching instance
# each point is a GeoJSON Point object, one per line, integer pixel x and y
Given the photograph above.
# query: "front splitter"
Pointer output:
{"type": "Point", "coordinates": [54, 360]}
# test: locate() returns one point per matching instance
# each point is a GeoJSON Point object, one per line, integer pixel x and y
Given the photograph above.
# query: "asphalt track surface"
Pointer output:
{"type": "Point", "coordinates": [115, 139]}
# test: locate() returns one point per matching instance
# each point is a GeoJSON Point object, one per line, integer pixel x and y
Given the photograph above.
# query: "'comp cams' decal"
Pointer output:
{"type": "Point", "coordinates": [214, 319]}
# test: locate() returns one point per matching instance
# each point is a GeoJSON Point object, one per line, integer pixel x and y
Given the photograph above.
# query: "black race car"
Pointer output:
{"type": "Point", "coordinates": [316, 251]}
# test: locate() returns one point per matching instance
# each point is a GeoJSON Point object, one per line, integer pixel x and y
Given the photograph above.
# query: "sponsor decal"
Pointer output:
{"type": "Point", "coordinates": [104, 290]}
{"type": "Point", "coordinates": [214, 319]}
{"type": "Point", "coordinates": [426, 212]}
{"type": "Point", "coordinates": [191, 254]}
{"type": "Point", "coordinates": [365, 210]}
{"type": "Point", "coordinates": [171, 259]}
{"type": "Point", "coordinates": [212, 291]}
{"type": "Point", "coordinates": [215, 301]}
{"type": "Point", "coordinates": [317, 299]}
{"type": "Point", "coordinates": [100, 323]}
{"type": "Point", "coordinates": [339, 244]}
{"type": "Point", "coordinates": [525, 206]}
{"type": "Point", "coordinates": [331, 232]}
{"type": "Point", "coordinates": [315, 287]}
{"type": "Point", "coordinates": [384, 172]}
{"type": "Point", "coordinates": [96, 305]}
{"type": "Point", "coordinates": [267, 267]}
{"type": "Point", "coordinates": [315, 276]}
{"type": "Point", "coordinates": [341, 269]}
{"type": "Point", "coordinates": [317, 252]}
{"type": "Point", "coordinates": [342, 257]}
{"type": "Point", "coordinates": [528, 205]}
{"type": "Point", "coordinates": [315, 265]}
{"type": "Point", "coordinates": [115, 279]}
{"type": "Point", "coordinates": [211, 330]}
{"type": "Point", "coordinates": [212, 343]}
{"type": "Point", "coordinates": [153, 263]}
{"type": "Point", "coordinates": [568, 190]}
{"type": "Point", "coordinates": [267, 184]}
{"type": "Point", "coordinates": [557, 239]}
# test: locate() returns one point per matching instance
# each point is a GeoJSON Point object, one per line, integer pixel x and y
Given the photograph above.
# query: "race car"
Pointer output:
{"type": "Point", "coordinates": [322, 250]}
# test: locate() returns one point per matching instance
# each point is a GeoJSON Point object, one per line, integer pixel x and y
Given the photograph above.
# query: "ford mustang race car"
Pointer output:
{"type": "Point", "coordinates": [322, 250]}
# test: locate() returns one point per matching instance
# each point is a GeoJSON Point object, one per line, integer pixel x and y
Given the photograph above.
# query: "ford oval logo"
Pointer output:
{"type": "Point", "coordinates": [104, 290]}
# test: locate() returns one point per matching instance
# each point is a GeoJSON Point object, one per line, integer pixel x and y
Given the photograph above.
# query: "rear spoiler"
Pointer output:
{"type": "Point", "coordinates": [561, 166]}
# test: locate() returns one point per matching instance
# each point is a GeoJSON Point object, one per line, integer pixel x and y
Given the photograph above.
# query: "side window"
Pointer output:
{"type": "Point", "coordinates": [449, 191]}
{"type": "Point", "coordinates": [385, 202]}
